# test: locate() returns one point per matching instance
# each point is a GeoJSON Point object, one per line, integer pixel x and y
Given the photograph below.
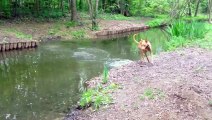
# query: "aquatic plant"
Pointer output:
{"type": "Point", "coordinates": [105, 75]}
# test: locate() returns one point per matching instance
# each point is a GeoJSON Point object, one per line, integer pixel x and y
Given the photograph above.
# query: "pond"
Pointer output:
{"type": "Point", "coordinates": [44, 83]}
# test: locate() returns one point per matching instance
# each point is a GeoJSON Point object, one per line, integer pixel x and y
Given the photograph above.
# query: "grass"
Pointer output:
{"type": "Point", "coordinates": [19, 34]}
{"type": "Point", "coordinates": [156, 22]}
{"type": "Point", "coordinates": [107, 16]}
{"type": "Point", "coordinates": [206, 42]}
{"type": "Point", "coordinates": [69, 24]}
{"type": "Point", "coordinates": [210, 102]}
{"type": "Point", "coordinates": [151, 94]}
{"type": "Point", "coordinates": [185, 33]}
{"type": "Point", "coordinates": [200, 17]}
{"type": "Point", "coordinates": [78, 34]}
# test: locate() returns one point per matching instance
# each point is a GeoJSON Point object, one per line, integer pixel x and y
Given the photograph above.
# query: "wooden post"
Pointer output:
{"type": "Point", "coordinates": [7, 46]}
{"type": "Point", "coordinates": [11, 46]}
{"type": "Point", "coordinates": [15, 45]}
{"type": "Point", "coordinates": [1, 46]}
{"type": "Point", "coordinates": [19, 45]}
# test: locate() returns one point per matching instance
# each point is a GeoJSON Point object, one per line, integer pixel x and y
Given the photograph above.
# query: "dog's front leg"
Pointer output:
{"type": "Point", "coordinates": [142, 56]}
{"type": "Point", "coordinates": [147, 57]}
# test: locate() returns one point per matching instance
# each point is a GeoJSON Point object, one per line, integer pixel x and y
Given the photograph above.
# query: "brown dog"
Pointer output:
{"type": "Point", "coordinates": [144, 46]}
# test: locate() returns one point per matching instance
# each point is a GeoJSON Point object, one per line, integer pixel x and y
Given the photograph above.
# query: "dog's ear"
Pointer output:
{"type": "Point", "coordinates": [146, 41]}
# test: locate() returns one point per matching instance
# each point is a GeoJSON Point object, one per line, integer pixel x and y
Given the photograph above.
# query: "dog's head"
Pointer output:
{"type": "Point", "coordinates": [143, 44]}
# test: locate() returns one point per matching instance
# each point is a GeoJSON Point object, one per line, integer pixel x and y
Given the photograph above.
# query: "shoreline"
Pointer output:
{"type": "Point", "coordinates": [173, 83]}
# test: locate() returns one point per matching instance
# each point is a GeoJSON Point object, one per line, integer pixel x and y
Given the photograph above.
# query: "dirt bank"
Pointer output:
{"type": "Point", "coordinates": [56, 30]}
{"type": "Point", "coordinates": [177, 87]}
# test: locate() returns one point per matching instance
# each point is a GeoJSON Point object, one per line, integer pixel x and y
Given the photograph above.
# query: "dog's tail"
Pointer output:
{"type": "Point", "coordinates": [135, 39]}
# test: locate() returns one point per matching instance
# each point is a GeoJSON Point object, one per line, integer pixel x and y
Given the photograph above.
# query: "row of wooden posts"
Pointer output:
{"type": "Point", "coordinates": [18, 45]}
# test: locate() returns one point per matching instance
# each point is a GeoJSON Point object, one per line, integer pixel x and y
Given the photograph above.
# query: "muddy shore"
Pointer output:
{"type": "Point", "coordinates": [183, 77]}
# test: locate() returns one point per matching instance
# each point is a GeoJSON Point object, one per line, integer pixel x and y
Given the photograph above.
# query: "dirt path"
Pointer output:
{"type": "Point", "coordinates": [177, 87]}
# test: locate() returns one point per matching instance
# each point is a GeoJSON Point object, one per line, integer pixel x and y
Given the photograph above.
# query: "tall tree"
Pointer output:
{"type": "Point", "coordinates": [93, 9]}
{"type": "Point", "coordinates": [73, 10]}
{"type": "Point", "coordinates": [209, 10]}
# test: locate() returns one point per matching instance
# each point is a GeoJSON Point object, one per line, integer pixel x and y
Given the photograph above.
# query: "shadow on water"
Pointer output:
{"type": "Point", "coordinates": [43, 83]}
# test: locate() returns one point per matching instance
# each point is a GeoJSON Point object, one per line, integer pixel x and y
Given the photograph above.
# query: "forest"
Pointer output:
{"type": "Point", "coordinates": [62, 8]}
{"type": "Point", "coordinates": [82, 59]}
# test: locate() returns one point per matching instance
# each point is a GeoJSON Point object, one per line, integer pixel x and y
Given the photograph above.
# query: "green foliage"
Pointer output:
{"type": "Point", "coordinates": [206, 42]}
{"type": "Point", "coordinates": [149, 7]}
{"type": "Point", "coordinates": [105, 75]}
{"type": "Point", "coordinates": [108, 16]}
{"type": "Point", "coordinates": [70, 24]}
{"type": "Point", "coordinates": [200, 17]}
{"type": "Point", "coordinates": [23, 35]}
{"type": "Point", "coordinates": [54, 29]}
{"type": "Point", "coordinates": [183, 33]}
{"type": "Point", "coordinates": [156, 22]}
{"type": "Point", "coordinates": [151, 94]}
{"type": "Point", "coordinates": [98, 96]}
{"type": "Point", "coordinates": [188, 30]}
{"type": "Point", "coordinates": [19, 34]}
{"type": "Point", "coordinates": [175, 42]}
{"type": "Point", "coordinates": [78, 34]}
{"type": "Point", "coordinates": [210, 102]}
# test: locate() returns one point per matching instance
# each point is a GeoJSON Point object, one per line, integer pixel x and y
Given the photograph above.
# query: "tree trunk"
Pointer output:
{"type": "Point", "coordinates": [209, 10]}
{"type": "Point", "coordinates": [61, 6]}
{"type": "Point", "coordinates": [189, 8]}
{"type": "Point", "coordinates": [197, 8]}
{"type": "Point", "coordinates": [93, 10]}
{"type": "Point", "coordinates": [73, 10]}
